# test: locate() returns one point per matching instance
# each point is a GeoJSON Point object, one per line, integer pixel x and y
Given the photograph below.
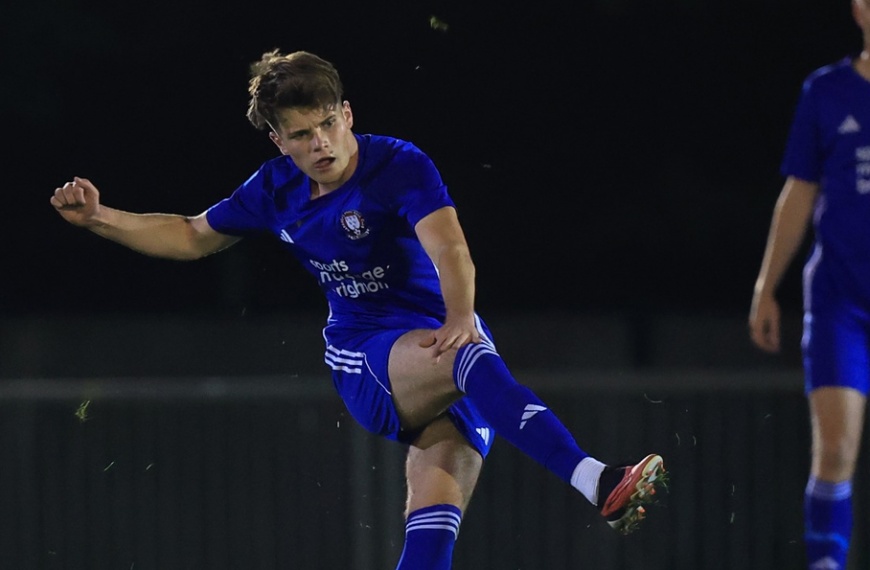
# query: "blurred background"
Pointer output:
{"type": "Point", "coordinates": [615, 164]}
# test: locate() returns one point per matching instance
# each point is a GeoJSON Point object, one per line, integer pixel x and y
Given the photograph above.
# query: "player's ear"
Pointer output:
{"type": "Point", "coordinates": [348, 113]}
{"type": "Point", "coordinates": [273, 136]}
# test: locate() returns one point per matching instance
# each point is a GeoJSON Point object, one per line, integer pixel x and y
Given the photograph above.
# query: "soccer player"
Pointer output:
{"type": "Point", "coordinates": [827, 179]}
{"type": "Point", "coordinates": [371, 219]}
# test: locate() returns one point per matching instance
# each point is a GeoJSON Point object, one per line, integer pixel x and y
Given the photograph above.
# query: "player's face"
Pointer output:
{"type": "Point", "coordinates": [320, 143]}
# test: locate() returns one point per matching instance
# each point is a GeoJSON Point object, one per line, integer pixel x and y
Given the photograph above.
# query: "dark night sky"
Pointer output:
{"type": "Point", "coordinates": [605, 156]}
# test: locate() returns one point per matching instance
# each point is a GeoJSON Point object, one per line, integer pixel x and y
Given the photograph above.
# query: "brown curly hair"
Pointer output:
{"type": "Point", "coordinates": [285, 81]}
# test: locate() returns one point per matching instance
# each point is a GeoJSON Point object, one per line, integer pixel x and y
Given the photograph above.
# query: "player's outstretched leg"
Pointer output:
{"type": "Point", "coordinates": [519, 416]}
{"type": "Point", "coordinates": [626, 490]}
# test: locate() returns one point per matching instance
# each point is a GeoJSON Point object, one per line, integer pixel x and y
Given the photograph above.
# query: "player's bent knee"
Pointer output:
{"type": "Point", "coordinates": [442, 467]}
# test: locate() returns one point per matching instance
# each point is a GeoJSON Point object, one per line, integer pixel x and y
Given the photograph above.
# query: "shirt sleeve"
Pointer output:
{"type": "Point", "coordinates": [422, 191]}
{"type": "Point", "coordinates": [245, 211]}
{"type": "Point", "coordinates": [803, 157]}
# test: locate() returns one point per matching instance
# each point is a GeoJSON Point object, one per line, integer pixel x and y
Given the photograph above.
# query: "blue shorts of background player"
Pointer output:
{"type": "Point", "coordinates": [836, 348]}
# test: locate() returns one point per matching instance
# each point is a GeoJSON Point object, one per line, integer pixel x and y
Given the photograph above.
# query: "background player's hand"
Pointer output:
{"type": "Point", "coordinates": [77, 201]}
{"type": "Point", "coordinates": [764, 322]}
{"type": "Point", "coordinates": [453, 335]}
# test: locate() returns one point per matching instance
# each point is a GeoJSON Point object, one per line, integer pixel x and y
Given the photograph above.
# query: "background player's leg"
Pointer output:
{"type": "Point", "coordinates": [837, 416]}
{"type": "Point", "coordinates": [442, 470]}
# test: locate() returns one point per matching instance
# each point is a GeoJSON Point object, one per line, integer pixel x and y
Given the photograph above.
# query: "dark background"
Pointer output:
{"type": "Point", "coordinates": [615, 164]}
{"type": "Point", "coordinates": [605, 156]}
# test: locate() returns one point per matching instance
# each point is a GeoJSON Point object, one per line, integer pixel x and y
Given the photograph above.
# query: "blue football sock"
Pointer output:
{"type": "Point", "coordinates": [827, 523]}
{"type": "Point", "coordinates": [430, 534]}
{"type": "Point", "coordinates": [515, 412]}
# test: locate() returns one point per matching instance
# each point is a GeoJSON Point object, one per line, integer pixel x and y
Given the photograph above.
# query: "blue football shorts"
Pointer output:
{"type": "Point", "coordinates": [359, 363]}
{"type": "Point", "coordinates": [836, 347]}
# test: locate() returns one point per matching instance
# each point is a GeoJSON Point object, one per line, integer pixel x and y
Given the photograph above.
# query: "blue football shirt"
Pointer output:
{"type": "Point", "coordinates": [358, 241]}
{"type": "Point", "coordinates": [829, 143]}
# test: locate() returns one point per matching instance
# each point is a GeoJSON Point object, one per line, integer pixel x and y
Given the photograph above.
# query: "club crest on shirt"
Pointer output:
{"type": "Point", "coordinates": [354, 224]}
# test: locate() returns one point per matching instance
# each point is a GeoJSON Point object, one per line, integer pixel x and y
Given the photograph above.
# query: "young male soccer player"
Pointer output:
{"type": "Point", "coordinates": [827, 170]}
{"type": "Point", "coordinates": [371, 219]}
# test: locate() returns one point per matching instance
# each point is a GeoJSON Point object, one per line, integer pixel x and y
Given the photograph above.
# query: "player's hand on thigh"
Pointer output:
{"type": "Point", "coordinates": [453, 335]}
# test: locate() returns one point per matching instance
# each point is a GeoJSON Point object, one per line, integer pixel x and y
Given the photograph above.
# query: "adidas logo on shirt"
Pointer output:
{"type": "Point", "coordinates": [849, 125]}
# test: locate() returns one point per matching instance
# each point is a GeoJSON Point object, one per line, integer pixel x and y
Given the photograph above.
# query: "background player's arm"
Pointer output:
{"type": "Point", "coordinates": [788, 229]}
{"type": "Point", "coordinates": [170, 236]}
{"type": "Point", "coordinates": [444, 241]}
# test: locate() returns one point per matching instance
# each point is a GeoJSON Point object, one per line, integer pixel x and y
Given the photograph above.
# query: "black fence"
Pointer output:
{"type": "Point", "coordinates": [271, 473]}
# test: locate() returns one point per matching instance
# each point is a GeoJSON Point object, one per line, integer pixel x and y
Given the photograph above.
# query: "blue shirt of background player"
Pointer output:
{"type": "Point", "coordinates": [357, 241]}
{"type": "Point", "coordinates": [829, 144]}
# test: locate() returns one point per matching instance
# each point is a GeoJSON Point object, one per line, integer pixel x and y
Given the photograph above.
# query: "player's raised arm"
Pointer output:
{"type": "Point", "coordinates": [171, 236]}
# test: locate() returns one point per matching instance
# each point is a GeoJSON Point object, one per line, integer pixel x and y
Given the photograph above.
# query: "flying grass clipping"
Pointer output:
{"type": "Point", "coordinates": [438, 24]}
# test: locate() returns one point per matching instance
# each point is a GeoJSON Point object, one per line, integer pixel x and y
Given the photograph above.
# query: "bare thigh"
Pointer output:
{"type": "Point", "coordinates": [442, 468]}
{"type": "Point", "coordinates": [422, 383]}
{"type": "Point", "coordinates": [837, 418]}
